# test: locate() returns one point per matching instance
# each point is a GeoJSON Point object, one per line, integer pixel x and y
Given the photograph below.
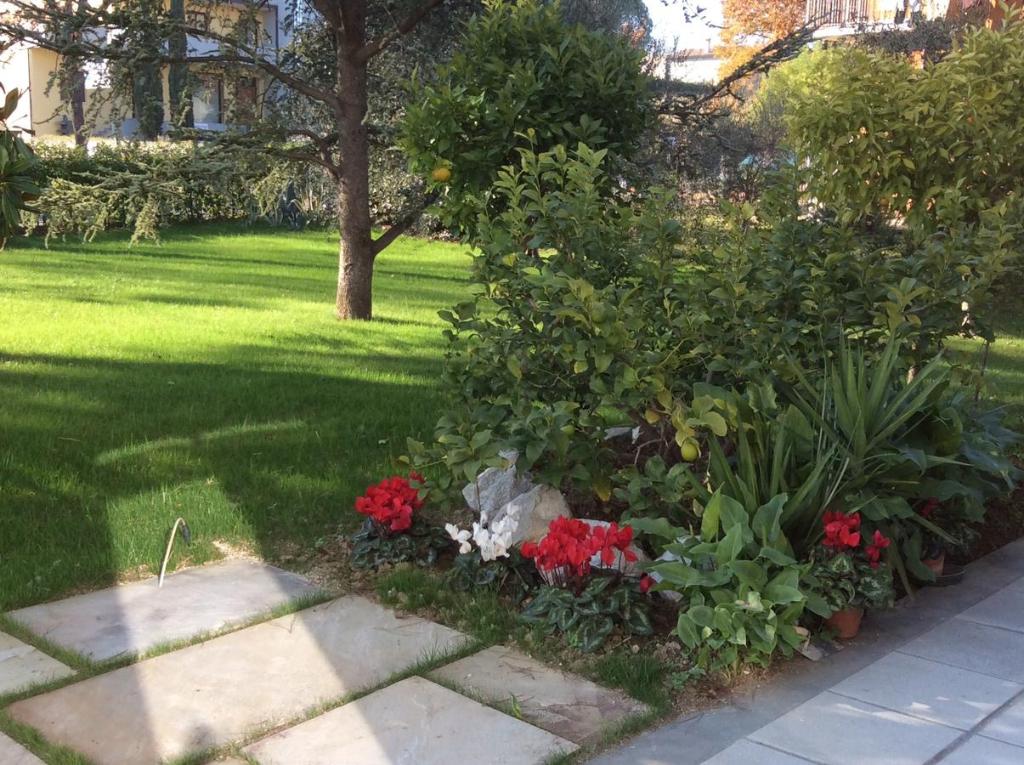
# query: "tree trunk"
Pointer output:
{"type": "Point", "coordinates": [355, 261]}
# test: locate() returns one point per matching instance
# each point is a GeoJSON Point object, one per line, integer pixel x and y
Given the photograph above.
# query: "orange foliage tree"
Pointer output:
{"type": "Point", "coordinates": [750, 24]}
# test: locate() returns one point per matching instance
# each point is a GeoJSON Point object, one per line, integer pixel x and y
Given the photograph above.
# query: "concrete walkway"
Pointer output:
{"type": "Point", "coordinates": [938, 679]}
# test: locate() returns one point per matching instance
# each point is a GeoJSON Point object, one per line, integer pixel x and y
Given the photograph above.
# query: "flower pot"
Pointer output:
{"type": "Point", "coordinates": [846, 623]}
{"type": "Point", "coordinates": [936, 565]}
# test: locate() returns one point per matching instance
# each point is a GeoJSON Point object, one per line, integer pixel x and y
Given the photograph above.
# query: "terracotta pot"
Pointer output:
{"type": "Point", "coordinates": [936, 565]}
{"type": "Point", "coordinates": [845, 623]}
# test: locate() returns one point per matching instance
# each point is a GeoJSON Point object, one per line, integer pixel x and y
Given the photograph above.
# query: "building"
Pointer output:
{"type": "Point", "coordinates": [698, 66]}
{"type": "Point", "coordinates": [836, 18]}
{"type": "Point", "coordinates": [50, 115]}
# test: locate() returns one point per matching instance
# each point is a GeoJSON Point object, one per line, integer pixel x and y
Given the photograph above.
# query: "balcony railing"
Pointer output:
{"type": "Point", "coordinates": [839, 13]}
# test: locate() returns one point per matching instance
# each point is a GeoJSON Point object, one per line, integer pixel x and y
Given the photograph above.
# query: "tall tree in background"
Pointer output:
{"type": "Point", "coordinates": [121, 35]}
{"type": "Point", "coordinates": [750, 24]}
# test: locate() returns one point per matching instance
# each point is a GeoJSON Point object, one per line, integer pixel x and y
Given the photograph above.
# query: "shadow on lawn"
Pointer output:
{"type": "Point", "coordinates": [105, 454]}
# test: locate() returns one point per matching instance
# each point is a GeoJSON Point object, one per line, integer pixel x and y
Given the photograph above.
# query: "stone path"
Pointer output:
{"type": "Point", "coordinates": [22, 666]}
{"type": "Point", "coordinates": [941, 680]}
{"type": "Point", "coordinates": [414, 722]}
{"type": "Point", "coordinates": [12, 753]}
{"type": "Point", "coordinates": [272, 675]}
{"type": "Point", "coordinates": [136, 617]}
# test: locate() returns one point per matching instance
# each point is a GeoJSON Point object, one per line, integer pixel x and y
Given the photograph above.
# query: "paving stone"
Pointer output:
{"type": "Point", "coordinates": [931, 691]}
{"type": "Point", "coordinates": [841, 731]}
{"type": "Point", "coordinates": [22, 665]}
{"type": "Point", "coordinates": [414, 722]}
{"type": "Point", "coordinates": [566, 705]}
{"type": "Point", "coordinates": [977, 647]}
{"type": "Point", "coordinates": [135, 617]}
{"type": "Point", "coordinates": [1004, 609]}
{"type": "Point", "coordinates": [982, 751]}
{"type": "Point", "coordinates": [13, 753]}
{"type": "Point", "coordinates": [745, 752]}
{"type": "Point", "coordinates": [215, 692]}
{"type": "Point", "coordinates": [1008, 725]}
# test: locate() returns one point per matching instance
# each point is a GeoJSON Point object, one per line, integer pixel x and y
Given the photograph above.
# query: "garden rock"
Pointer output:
{"type": "Point", "coordinates": [669, 595]}
{"type": "Point", "coordinates": [533, 511]}
{"type": "Point", "coordinates": [496, 487]}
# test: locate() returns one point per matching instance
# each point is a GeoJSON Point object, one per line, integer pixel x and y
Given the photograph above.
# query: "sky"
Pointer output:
{"type": "Point", "coordinates": [669, 22]}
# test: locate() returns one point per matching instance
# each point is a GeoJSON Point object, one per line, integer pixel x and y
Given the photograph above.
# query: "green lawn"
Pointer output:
{"type": "Point", "coordinates": [205, 377]}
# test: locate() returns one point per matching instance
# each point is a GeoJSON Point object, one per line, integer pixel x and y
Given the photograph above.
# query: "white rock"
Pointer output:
{"type": "Point", "coordinates": [496, 487]}
{"type": "Point", "coordinates": [534, 510]}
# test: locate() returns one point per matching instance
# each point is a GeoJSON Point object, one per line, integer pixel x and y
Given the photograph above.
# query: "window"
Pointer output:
{"type": "Point", "coordinates": [206, 102]}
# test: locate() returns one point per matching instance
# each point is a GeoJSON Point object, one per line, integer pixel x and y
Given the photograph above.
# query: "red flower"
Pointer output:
{"type": "Point", "coordinates": [874, 551]}
{"type": "Point", "coordinates": [645, 583]}
{"type": "Point", "coordinates": [841, 531]}
{"type": "Point", "coordinates": [392, 502]}
{"type": "Point", "coordinates": [610, 539]}
{"type": "Point", "coordinates": [928, 507]}
{"type": "Point", "coordinates": [569, 544]}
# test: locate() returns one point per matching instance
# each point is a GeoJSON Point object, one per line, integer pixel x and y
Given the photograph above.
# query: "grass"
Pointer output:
{"type": "Point", "coordinates": [204, 377]}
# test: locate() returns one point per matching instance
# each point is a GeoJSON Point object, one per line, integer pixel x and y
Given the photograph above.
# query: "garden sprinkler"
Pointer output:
{"type": "Point", "coordinates": [186, 534]}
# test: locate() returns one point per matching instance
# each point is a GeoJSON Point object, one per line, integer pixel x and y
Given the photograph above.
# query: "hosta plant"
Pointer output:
{"type": "Point", "coordinates": [392, 532]}
{"type": "Point", "coordinates": [739, 581]}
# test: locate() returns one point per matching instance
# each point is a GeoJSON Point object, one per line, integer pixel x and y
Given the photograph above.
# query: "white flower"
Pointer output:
{"type": "Point", "coordinates": [459, 535]}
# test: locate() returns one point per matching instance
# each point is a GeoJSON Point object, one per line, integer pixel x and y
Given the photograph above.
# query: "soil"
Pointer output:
{"type": "Point", "coordinates": [1004, 523]}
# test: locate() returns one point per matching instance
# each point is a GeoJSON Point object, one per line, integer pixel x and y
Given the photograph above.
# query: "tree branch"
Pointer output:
{"type": "Point", "coordinates": [403, 28]}
{"type": "Point", "coordinates": [403, 224]}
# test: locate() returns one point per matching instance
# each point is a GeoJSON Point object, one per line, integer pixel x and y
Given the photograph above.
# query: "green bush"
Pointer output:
{"type": "Point", "coordinates": [522, 78]}
{"type": "Point", "coordinates": [17, 167]}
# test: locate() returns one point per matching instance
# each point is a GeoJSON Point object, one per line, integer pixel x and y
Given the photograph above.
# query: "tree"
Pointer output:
{"type": "Point", "coordinates": [751, 23]}
{"type": "Point", "coordinates": [522, 79]}
{"type": "Point", "coordinates": [232, 42]}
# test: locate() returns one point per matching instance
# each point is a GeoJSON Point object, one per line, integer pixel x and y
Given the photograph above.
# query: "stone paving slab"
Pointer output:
{"type": "Point", "coordinates": [414, 722]}
{"type": "Point", "coordinates": [922, 688]}
{"type": "Point", "coordinates": [22, 665]}
{"type": "Point", "coordinates": [567, 705]}
{"type": "Point", "coordinates": [745, 752]}
{"type": "Point", "coordinates": [983, 751]}
{"type": "Point", "coordinates": [215, 692]}
{"type": "Point", "coordinates": [977, 647]}
{"type": "Point", "coordinates": [132, 618]}
{"type": "Point", "coordinates": [1004, 609]}
{"type": "Point", "coordinates": [1008, 725]}
{"type": "Point", "coordinates": [841, 731]}
{"type": "Point", "coordinates": [13, 753]}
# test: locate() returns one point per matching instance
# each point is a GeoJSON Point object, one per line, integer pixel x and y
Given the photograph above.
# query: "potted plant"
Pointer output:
{"type": "Point", "coordinates": [848, 572]}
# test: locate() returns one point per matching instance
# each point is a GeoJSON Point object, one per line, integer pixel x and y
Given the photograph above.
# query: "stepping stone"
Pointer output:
{"type": "Point", "coordinates": [841, 731]}
{"type": "Point", "coordinates": [22, 665]}
{"type": "Point", "coordinates": [133, 618]}
{"type": "Point", "coordinates": [414, 722]}
{"type": "Point", "coordinates": [566, 705]}
{"type": "Point", "coordinates": [212, 693]}
{"type": "Point", "coordinates": [977, 647]}
{"type": "Point", "coordinates": [13, 753]}
{"type": "Point", "coordinates": [1008, 725]}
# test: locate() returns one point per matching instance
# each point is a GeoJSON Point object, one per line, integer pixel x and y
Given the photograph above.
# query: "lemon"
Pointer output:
{"type": "Point", "coordinates": [441, 174]}
{"type": "Point", "coordinates": [690, 451]}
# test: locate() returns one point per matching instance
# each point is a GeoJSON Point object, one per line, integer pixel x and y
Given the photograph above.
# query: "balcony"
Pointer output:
{"type": "Point", "coordinates": [840, 13]}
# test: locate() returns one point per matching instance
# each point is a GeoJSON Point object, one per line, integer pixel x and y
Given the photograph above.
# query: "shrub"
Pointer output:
{"type": "Point", "coordinates": [17, 165]}
{"type": "Point", "coordinates": [522, 78]}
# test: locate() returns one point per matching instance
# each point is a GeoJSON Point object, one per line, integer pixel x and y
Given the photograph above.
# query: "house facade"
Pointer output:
{"type": "Point", "coordinates": [836, 18]}
{"type": "Point", "coordinates": [215, 103]}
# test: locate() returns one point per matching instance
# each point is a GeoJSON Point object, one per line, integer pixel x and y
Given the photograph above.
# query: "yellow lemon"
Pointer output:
{"type": "Point", "coordinates": [441, 174]}
{"type": "Point", "coordinates": [690, 451]}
